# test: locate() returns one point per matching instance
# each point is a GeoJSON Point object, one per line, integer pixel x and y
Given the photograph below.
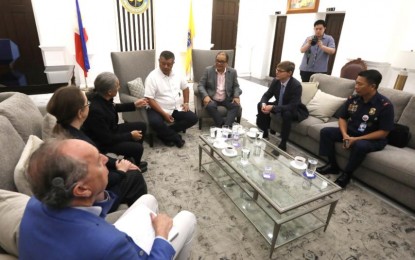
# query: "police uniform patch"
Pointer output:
{"type": "Point", "coordinates": [372, 111]}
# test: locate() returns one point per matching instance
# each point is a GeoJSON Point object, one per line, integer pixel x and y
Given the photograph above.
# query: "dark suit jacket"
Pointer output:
{"type": "Point", "coordinates": [102, 122]}
{"type": "Point", "coordinates": [207, 83]}
{"type": "Point", "coordinates": [72, 233]}
{"type": "Point", "coordinates": [291, 99]}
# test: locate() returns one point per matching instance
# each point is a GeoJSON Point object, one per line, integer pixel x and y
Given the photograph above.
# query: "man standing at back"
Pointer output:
{"type": "Point", "coordinates": [168, 98]}
{"type": "Point", "coordinates": [316, 49]}
{"type": "Point", "coordinates": [219, 87]}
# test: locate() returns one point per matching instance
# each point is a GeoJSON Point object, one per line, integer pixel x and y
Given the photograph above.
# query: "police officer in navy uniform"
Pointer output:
{"type": "Point", "coordinates": [364, 123]}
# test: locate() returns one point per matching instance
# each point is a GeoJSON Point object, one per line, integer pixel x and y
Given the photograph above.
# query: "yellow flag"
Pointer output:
{"type": "Point", "coordinates": [190, 35]}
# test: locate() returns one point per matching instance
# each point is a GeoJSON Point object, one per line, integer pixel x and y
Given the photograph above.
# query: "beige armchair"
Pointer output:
{"type": "Point", "coordinates": [128, 66]}
{"type": "Point", "coordinates": [202, 59]}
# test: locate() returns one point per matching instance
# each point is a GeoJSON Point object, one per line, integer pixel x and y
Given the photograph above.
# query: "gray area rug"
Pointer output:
{"type": "Point", "coordinates": [362, 227]}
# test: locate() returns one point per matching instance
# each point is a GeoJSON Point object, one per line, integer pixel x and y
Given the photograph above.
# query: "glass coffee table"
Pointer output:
{"type": "Point", "coordinates": [281, 202]}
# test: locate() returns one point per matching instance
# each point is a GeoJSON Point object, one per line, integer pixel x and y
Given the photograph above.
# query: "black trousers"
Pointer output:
{"type": "Point", "coordinates": [169, 133]}
{"type": "Point", "coordinates": [212, 109]}
{"type": "Point", "coordinates": [129, 149]}
{"type": "Point", "coordinates": [131, 187]}
{"type": "Point", "coordinates": [305, 75]}
{"type": "Point", "coordinates": [263, 121]}
{"type": "Point", "coordinates": [358, 151]}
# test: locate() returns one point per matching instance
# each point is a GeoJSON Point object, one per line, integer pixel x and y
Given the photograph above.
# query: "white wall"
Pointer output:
{"type": "Point", "coordinates": [373, 31]}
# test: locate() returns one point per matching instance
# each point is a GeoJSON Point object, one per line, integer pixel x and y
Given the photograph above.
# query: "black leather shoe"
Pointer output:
{"type": "Point", "coordinates": [343, 180]}
{"type": "Point", "coordinates": [283, 147]}
{"type": "Point", "coordinates": [272, 132]}
{"type": "Point", "coordinates": [327, 169]}
{"type": "Point", "coordinates": [143, 169]}
{"type": "Point", "coordinates": [143, 164]}
{"type": "Point", "coordinates": [180, 143]}
{"type": "Point", "coordinates": [168, 143]}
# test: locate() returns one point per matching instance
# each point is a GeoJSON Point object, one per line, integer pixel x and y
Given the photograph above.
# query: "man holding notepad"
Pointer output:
{"type": "Point", "coordinates": [65, 218]}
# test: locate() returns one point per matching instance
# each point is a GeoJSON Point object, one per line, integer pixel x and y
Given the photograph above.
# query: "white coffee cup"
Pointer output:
{"type": "Point", "coordinates": [229, 149]}
{"type": "Point", "coordinates": [253, 131]}
{"type": "Point", "coordinates": [299, 161]}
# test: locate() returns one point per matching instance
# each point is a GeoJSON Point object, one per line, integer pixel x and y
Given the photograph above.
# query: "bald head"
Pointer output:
{"type": "Point", "coordinates": [57, 167]}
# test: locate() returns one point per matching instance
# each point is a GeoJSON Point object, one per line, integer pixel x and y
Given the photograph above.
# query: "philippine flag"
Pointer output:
{"type": "Point", "coordinates": [81, 38]}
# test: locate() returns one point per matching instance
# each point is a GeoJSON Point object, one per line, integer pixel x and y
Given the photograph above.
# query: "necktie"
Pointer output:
{"type": "Point", "coordinates": [281, 95]}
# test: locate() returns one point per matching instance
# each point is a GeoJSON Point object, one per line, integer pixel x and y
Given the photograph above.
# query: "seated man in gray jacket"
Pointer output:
{"type": "Point", "coordinates": [219, 87]}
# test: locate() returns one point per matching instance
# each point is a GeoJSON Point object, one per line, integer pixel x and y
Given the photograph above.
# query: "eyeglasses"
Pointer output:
{"type": "Point", "coordinates": [88, 103]}
{"type": "Point", "coordinates": [281, 71]}
{"type": "Point", "coordinates": [221, 61]}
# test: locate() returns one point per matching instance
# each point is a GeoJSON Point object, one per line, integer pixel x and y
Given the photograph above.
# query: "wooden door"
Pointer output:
{"type": "Point", "coordinates": [278, 44]}
{"type": "Point", "coordinates": [17, 23]}
{"type": "Point", "coordinates": [334, 28]}
{"type": "Point", "coordinates": [224, 24]}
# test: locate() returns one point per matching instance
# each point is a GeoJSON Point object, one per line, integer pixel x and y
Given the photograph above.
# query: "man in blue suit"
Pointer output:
{"type": "Point", "coordinates": [65, 218]}
{"type": "Point", "coordinates": [287, 105]}
{"type": "Point", "coordinates": [219, 87]}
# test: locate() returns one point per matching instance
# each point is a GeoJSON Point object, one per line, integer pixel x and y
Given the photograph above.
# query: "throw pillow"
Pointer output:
{"type": "Point", "coordinates": [324, 105]}
{"type": "Point", "coordinates": [20, 179]}
{"type": "Point", "coordinates": [309, 90]}
{"type": "Point", "coordinates": [136, 88]}
{"type": "Point", "coordinates": [12, 206]}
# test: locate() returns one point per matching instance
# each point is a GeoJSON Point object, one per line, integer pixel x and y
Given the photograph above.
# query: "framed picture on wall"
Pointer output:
{"type": "Point", "coordinates": [302, 6]}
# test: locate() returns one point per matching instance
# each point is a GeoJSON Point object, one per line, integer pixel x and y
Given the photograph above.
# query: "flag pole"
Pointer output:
{"type": "Point", "coordinates": [86, 83]}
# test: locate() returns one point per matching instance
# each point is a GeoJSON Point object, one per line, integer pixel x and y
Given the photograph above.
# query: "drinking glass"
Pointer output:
{"type": "Point", "coordinates": [245, 155]}
{"type": "Point", "coordinates": [258, 137]}
{"type": "Point", "coordinates": [311, 166]}
{"type": "Point", "coordinates": [213, 131]}
{"type": "Point", "coordinates": [225, 131]}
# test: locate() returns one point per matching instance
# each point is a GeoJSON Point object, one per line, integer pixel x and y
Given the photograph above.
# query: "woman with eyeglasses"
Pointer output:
{"type": "Point", "coordinates": [70, 106]}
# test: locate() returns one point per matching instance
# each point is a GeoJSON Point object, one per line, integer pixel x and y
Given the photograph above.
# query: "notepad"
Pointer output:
{"type": "Point", "coordinates": [136, 222]}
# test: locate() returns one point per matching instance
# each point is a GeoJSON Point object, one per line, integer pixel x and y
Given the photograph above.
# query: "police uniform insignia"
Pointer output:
{"type": "Point", "coordinates": [372, 111]}
{"type": "Point", "coordinates": [365, 118]}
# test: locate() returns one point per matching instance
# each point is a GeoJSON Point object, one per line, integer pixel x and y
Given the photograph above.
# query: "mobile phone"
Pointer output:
{"type": "Point", "coordinates": [346, 143]}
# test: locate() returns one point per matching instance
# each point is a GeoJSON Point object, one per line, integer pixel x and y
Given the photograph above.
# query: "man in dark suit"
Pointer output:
{"type": "Point", "coordinates": [219, 87]}
{"type": "Point", "coordinates": [287, 92]}
{"type": "Point", "coordinates": [65, 218]}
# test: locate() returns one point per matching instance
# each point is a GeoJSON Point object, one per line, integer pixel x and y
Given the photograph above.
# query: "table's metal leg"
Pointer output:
{"type": "Point", "coordinates": [331, 210]}
{"type": "Point", "coordinates": [255, 195]}
{"type": "Point", "coordinates": [200, 158]}
{"type": "Point", "coordinates": [274, 238]}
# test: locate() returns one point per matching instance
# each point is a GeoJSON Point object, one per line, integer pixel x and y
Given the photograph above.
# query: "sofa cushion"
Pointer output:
{"type": "Point", "coordinates": [22, 114]}
{"type": "Point", "coordinates": [11, 146]}
{"type": "Point", "coordinates": [335, 86]}
{"type": "Point", "coordinates": [49, 122]}
{"type": "Point", "coordinates": [398, 98]}
{"type": "Point", "coordinates": [407, 118]}
{"type": "Point", "coordinates": [314, 130]}
{"type": "Point", "coordinates": [324, 105]}
{"type": "Point", "coordinates": [12, 206]}
{"type": "Point", "coordinates": [20, 179]}
{"type": "Point", "coordinates": [393, 162]}
{"type": "Point", "coordinates": [136, 88]}
{"type": "Point", "coordinates": [309, 90]}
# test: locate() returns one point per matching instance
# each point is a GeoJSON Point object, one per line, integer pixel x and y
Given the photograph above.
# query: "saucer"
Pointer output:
{"type": "Point", "coordinates": [251, 134]}
{"type": "Point", "coordinates": [298, 167]}
{"type": "Point", "coordinates": [232, 154]}
{"type": "Point", "coordinates": [220, 145]}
